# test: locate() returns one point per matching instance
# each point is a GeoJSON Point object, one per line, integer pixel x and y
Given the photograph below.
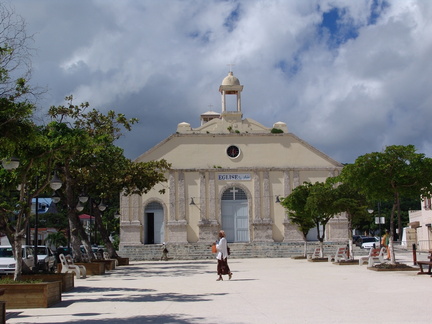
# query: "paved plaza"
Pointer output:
{"type": "Point", "coordinates": [261, 291]}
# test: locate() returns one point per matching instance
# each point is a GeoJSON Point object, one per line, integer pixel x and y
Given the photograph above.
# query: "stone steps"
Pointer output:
{"type": "Point", "coordinates": [200, 251]}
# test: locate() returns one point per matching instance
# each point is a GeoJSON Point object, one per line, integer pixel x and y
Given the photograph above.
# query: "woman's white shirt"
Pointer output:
{"type": "Point", "coordinates": [221, 247]}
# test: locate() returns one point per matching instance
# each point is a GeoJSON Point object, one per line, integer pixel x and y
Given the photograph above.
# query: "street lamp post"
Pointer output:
{"type": "Point", "coordinates": [378, 220]}
{"type": "Point", "coordinates": [55, 184]}
{"type": "Point", "coordinates": [83, 198]}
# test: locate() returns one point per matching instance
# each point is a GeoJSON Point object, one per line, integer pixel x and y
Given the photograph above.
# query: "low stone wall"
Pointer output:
{"type": "Point", "coordinates": [200, 251]}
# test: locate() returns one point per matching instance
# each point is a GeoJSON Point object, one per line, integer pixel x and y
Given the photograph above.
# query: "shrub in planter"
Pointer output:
{"type": "Point", "coordinates": [67, 279]}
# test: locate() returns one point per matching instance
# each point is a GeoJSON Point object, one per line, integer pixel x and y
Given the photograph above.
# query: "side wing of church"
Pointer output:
{"type": "Point", "coordinates": [229, 174]}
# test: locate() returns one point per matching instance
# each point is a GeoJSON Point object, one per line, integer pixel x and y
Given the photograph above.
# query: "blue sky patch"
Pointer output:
{"type": "Point", "coordinates": [231, 21]}
{"type": "Point", "coordinates": [291, 67]}
{"type": "Point", "coordinates": [378, 6]}
{"type": "Point", "coordinates": [337, 27]}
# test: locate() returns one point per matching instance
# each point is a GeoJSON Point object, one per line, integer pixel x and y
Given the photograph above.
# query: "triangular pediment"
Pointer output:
{"type": "Point", "coordinates": [258, 150]}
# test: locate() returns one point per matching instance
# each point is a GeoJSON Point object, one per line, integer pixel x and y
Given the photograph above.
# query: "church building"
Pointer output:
{"type": "Point", "coordinates": [229, 173]}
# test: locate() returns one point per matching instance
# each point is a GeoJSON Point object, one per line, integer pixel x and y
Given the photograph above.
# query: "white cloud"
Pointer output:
{"type": "Point", "coordinates": [162, 61]}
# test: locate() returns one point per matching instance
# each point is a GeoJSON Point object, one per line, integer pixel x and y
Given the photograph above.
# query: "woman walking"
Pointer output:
{"type": "Point", "coordinates": [222, 257]}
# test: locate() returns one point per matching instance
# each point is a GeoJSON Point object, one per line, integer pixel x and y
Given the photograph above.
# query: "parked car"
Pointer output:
{"type": "Point", "coordinates": [357, 240]}
{"type": "Point", "coordinates": [369, 242]}
{"type": "Point", "coordinates": [8, 262]}
{"type": "Point", "coordinates": [46, 260]}
{"type": "Point", "coordinates": [97, 251]}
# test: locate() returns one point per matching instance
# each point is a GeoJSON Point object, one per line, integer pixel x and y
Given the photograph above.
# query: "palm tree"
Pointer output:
{"type": "Point", "coordinates": [57, 239]}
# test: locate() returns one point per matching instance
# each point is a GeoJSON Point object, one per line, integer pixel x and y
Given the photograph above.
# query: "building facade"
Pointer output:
{"type": "Point", "coordinates": [229, 173]}
{"type": "Point", "coordinates": [420, 227]}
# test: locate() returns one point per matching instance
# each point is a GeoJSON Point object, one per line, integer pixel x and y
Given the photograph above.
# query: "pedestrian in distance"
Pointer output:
{"type": "Point", "coordinates": [222, 257]}
{"type": "Point", "coordinates": [385, 240]}
{"type": "Point", "coordinates": [164, 253]}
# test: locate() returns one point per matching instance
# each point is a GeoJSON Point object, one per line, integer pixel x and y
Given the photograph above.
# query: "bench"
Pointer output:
{"type": "Point", "coordinates": [426, 263]}
{"type": "Point", "coordinates": [316, 254]}
{"type": "Point", "coordinates": [375, 256]}
{"type": "Point", "coordinates": [67, 266]}
{"type": "Point", "coordinates": [82, 269]}
{"type": "Point", "coordinates": [341, 253]}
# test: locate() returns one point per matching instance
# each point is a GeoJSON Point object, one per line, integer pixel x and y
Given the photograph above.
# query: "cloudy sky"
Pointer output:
{"type": "Point", "coordinates": [349, 77]}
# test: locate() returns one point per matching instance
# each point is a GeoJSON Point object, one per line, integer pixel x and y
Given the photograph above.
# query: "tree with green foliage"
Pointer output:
{"type": "Point", "coordinates": [92, 164]}
{"type": "Point", "coordinates": [349, 200]}
{"type": "Point", "coordinates": [19, 136]}
{"type": "Point", "coordinates": [298, 214]}
{"type": "Point", "coordinates": [30, 180]}
{"type": "Point", "coordinates": [311, 205]}
{"type": "Point", "coordinates": [396, 172]}
{"type": "Point", "coordinates": [15, 107]}
{"type": "Point", "coordinates": [321, 204]}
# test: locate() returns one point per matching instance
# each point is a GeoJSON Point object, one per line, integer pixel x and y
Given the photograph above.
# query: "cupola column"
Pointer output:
{"type": "Point", "coordinates": [231, 86]}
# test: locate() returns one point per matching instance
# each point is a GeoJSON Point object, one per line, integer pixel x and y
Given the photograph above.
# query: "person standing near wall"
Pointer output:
{"type": "Point", "coordinates": [222, 257]}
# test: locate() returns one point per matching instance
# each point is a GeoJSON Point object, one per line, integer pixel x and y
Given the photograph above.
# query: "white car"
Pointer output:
{"type": "Point", "coordinates": [8, 262]}
{"type": "Point", "coordinates": [369, 243]}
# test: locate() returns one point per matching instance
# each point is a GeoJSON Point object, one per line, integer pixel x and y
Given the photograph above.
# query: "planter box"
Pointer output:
{"type": "Point", "coordinates": [123, 261]}
{"type": "Point", "coordinates": [67, 279]}
{"type": "Point", "coordinates": [2, 309]}
{"type": "Point", "coordinates": [349, 262]}
{"type": "Point", "coordinates": [32, 295]}
{"type": "Point", "coordinates": [298, 257]}
{"type": "Point", "coordinates": [318, 260]}
{"type": "Point", "coordinates": [2, 312]}
{"type": "Point", "coordinates": [109, 264]}
{"type": "Point", "coordinates": [393, 269]}
{"type": "Point", "coordinates": [93, 268]}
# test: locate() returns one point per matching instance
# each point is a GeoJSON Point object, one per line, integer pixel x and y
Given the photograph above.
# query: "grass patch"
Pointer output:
{"type": "Point", "coordinates": [8, 281]}
{"type": "Point", "coordinates": [392, 267]}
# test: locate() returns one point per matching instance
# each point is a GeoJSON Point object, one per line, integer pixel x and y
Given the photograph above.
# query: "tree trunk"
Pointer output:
{"type": "Point", "coordinates": [84, 238]}
{"type": "Point", "coordinates": [390, 246]}
{"type": "Point", "coordinates": [75, 241]}
{"type": "Point", "coordinates": [399, 223]}
{"type": "Point", "coordinates": [305, 245]}
{"type": "Point", "coordinates": [105, 236]}
{"type": "Point", "coordinates": [350, 238]}
{"type": "Point", "coordinates": [17, 251]}
{"type": "Point", "coordinates": [321, 245]}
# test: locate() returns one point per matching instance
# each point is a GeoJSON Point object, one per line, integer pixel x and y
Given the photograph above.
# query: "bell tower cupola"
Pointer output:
{"type": "Point", "coordinates": [231, 86]}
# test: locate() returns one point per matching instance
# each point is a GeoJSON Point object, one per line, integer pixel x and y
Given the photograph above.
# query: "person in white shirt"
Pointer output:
{"type": "Point", "coordinates": [222, 257]}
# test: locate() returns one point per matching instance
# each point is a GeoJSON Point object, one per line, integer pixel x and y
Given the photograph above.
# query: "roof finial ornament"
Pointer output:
{"type": "Point", "coordinates": [230, 65]}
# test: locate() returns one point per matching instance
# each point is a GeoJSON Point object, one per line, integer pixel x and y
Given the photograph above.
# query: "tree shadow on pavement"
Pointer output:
{"type": "Point", "coordinates": [161, 269]}
{"type": "Point", "coordinates": [150, 319]}
{"type": "Point", "coordinates": [133, 295]}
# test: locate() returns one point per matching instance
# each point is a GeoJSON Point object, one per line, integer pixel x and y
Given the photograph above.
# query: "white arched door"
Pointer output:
{"type": "Point", "coordinates": [235, 215]}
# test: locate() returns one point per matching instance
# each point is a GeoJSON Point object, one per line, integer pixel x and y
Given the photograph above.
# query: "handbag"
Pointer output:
{"type": "Point", "coordinates": [214, 249]}
{"type": "Point", "coordinates": [229, 250]}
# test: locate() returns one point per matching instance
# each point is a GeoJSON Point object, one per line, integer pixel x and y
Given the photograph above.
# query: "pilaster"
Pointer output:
{"type": "Point", "coordinates": [177, 231]}
{"type": "Point", "coordinates": [263, 231]}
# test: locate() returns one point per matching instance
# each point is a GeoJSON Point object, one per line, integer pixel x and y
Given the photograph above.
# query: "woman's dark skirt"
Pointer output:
{"type": "Point", "coordinates": [222, 267]}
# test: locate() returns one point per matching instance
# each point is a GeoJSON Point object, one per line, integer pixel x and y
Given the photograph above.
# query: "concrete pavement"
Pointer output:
{"type": "Point", "coordinates": [261, 291]}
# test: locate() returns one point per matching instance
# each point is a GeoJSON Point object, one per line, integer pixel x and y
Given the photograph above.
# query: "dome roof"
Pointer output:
{"type": "Point", "coordinates": [230, 80]}
{"type": "Point", "coordinates": [184, 124]}
{"type": "Point", "coordinates": [210, 112]}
